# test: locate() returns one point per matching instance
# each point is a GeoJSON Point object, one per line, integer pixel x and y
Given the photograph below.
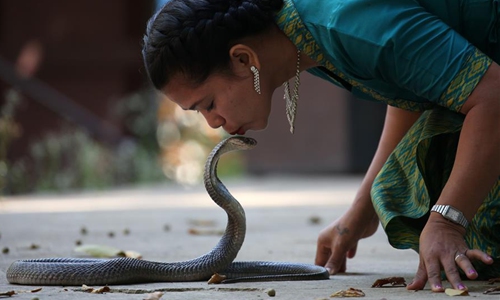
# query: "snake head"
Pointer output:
{"type": "Point", "coordinates": [242, 142]}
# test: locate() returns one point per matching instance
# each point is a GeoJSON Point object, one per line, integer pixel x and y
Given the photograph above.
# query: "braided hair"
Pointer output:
{"type": "Point", "coordinates": [193, 37]}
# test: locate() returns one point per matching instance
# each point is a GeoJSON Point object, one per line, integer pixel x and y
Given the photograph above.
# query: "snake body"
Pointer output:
{"type": "Point", "coordinates": [78, 271]}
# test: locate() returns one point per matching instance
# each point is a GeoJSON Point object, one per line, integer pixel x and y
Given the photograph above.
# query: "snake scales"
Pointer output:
{"type": "Point", "coordinates": [78, 271]}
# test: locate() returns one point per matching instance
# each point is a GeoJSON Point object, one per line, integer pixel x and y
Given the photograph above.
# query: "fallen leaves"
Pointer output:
{"type": "Point", "coordinates": [394, 281]}
{"type": "Point", "coordinates": [455, 292]}
{"type": "Point", "coordinates": [8, 294]}
{"type": "Point", "coordinates": [315, 220]}
{"type": "Point", "coordinates": [102, 251]}
{"type": "Point", "coordinates": [202, 223]}
{"type": "Point", "coordinates": [34, 246]}
{"type": "Point", "coordinates": [101, 290]}
{"type": "Point", "coordinates": [493, 291]}
{"type": "Point", "coordinates": [493, 280]}
{"type": "Point", "coordinates": [216, 279]}
{"type": "Point", "coordinates": [351, 292]}
{"type": "Point", "coordinates": [12, 293]}
{"type": "Point", "coordinates": [196, 231]}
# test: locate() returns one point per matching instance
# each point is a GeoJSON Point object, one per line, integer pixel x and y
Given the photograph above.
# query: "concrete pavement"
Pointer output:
{"type": "Point", "coordinates": [156, 221]}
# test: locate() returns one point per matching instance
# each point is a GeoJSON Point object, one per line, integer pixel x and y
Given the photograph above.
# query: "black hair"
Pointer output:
{"type": "Point", "coordinates": [193, 37]}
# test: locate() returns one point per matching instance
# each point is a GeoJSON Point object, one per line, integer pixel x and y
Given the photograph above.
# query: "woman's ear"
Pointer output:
{"type": "Point", "coordinates": [242, 58]}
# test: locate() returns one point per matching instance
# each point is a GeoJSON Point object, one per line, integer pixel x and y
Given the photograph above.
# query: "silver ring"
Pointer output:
{"type": "Point", "coordinates": [459, 255]}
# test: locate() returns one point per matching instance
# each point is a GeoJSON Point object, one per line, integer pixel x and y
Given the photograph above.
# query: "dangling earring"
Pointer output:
{"type": "Point", "coordinates": [256, 79]}
{"type": "Point", "coordinates": [291, 101]}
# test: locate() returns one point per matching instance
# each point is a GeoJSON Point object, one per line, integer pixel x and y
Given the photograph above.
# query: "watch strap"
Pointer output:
{"type": "Point", "coordinates": [451, 213]}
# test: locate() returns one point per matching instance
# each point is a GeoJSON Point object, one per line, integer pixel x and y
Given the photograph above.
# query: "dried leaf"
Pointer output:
{"type": "Point", "coordinates": [494, 291]}
{"type": "Point", "coordinates": [87, 288]}
{"type": "Point", "coordinates": [203, 223]}
{"type": "Point", "coordinates": [195, 231]}
{"type": "Point", "coordinates": [315, 220]}
{"type": "Point", "coordinates": [216, 278]}
{"type": "Point", "coordinates": [36, 290]}
{"type": "Point", "coordinates": [454, 292]}
{"type": "Point", "coordinates": [493, 280]}
{"type": "Point", "coordinates": [101, 290]}
{"type": "Point", "coordinates": [351, 292]}
{"type": "Point", "coordinates": [131, 254]}
{"type": "Point", "coordinates": [8, 294]}
{"type": "Point", "coordinates": [98, 251]}
{"type": "Point", "coordinates": [399, 281]}
{"type": "Point", "coordinates": [154, 296]}
{"type": "Point", "coordinates": [34, 246]}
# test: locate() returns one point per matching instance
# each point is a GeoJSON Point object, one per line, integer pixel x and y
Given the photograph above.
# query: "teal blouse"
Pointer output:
{"type": "Point", "coordinates": [411, 54]}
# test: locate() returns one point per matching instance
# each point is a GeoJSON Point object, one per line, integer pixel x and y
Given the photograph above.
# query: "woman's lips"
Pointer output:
{"type": "Point", "coordinates": [240, 131]}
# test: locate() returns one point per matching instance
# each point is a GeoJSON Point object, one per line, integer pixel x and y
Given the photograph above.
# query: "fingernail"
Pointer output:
{"type": "Point", "coordinates": [461, 286]}
{"type": "Point", "coordinates": [438, 287]}
{"type": "Point", "coordinates": [472, 272]}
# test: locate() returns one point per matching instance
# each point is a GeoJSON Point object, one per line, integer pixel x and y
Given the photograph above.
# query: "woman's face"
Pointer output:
{"type": "Point", "coordinates": [224, 101]}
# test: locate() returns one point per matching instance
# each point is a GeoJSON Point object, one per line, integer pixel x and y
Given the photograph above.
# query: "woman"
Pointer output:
{"type": "Point", "coordinates": [434, 180]}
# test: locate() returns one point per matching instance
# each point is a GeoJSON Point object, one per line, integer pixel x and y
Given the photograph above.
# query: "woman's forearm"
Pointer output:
{"type": "Point", "coordinates": [397, 123]}
{"type": "Point", "coordinates": [477, 164]}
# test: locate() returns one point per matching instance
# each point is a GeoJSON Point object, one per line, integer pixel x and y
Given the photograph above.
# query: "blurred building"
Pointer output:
{"type": "Point", "coordinates": [334, 132]}
{"type": "Point", "coordinates": [73, 60]}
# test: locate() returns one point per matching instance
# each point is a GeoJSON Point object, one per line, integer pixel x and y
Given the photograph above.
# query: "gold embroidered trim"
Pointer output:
{"type": "Point", "coordinates": [465, 81]}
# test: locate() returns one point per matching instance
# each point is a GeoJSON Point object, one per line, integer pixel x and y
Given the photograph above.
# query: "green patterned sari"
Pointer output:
{"type": "Point", "coordinates": [421, 55]}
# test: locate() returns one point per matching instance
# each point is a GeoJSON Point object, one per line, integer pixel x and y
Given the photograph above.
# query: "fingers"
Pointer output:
{"type": "Point", "coordinates": [352, 252]}
{"type": "Point", "coordinates": [420, 279]}
{"type": "Point", "coordinates": [336, 263]}
{"type": "Point", "coordinates": [475, 254]}
{"type": "Point", "coordinates": [464, 263]}
{"type": "Point", "coordinates": [450, 268]}
{"type": "Point", "coordinates": [323, 253]}
{"type": "Point", "coordinates": [431, 271]}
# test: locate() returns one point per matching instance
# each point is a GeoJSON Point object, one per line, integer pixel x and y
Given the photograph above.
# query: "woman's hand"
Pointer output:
{"type": "Point", "coordinates": [339, 240]}
{"type": "Point", "coordinates": [442, 247]}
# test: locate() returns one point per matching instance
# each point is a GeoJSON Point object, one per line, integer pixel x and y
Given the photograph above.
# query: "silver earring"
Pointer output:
{"type": "Point", "coordinates": [256, 79]}
{"type": "Point", "coordinates": [291, 100]}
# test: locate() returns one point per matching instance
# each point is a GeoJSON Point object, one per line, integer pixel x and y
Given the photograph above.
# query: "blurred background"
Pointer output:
{"type": "Point", "coordinates": [77, 112]}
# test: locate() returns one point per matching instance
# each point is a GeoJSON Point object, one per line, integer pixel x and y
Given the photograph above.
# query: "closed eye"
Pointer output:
{"type": "Point", "coordinates": [211, 106]}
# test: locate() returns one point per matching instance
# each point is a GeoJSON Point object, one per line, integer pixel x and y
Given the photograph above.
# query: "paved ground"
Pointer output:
{"type": "Point", "coordinates": [158, 219]}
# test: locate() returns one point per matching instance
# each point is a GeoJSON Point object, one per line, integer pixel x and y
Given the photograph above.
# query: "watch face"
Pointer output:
{"type": "Point", "coordinates": [453, 214]}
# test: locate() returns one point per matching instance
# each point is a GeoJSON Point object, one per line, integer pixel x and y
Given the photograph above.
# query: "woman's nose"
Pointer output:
{"type": "Point", "coordinates": [214, 120]}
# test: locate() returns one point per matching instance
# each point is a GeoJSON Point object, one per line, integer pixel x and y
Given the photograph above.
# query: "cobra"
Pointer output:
{"type": "Point", "coordinates": [78, 271]}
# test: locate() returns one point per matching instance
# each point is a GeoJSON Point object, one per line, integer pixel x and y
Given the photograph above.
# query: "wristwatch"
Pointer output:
{"type": "Point", "coordinates": [452, 214]}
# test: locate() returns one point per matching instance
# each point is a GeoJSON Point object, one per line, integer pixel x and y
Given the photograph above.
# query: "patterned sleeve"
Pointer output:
{"type": "Point", "coordinates": [464, 82]}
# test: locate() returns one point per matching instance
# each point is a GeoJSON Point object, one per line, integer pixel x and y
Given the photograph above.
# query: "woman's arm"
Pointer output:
{"type": "Point", "coordinates": [476, 169]}
{"type": "Point", "coordinates": [339, 240]}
